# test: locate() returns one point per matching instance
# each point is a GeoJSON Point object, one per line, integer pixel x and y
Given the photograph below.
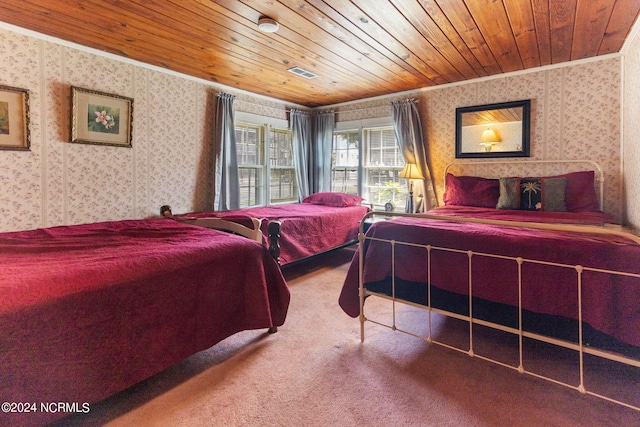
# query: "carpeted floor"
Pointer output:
{"type": "Point", "coordinates": [315, 372]}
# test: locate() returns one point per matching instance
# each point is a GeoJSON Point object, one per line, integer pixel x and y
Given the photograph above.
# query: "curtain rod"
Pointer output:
{"type": "Point", "coordinates": [282, 109]}
{"type": "Point", "coordinates": [337, 111]}
{"type": "Point", "coordinates": [378, 106]}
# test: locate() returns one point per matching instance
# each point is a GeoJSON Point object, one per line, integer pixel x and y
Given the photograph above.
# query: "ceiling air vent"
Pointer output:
{"type": "Point", "coordinates": [304, 73]}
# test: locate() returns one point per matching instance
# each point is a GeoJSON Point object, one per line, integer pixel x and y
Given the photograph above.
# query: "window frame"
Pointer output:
{"type": "Point", "coordinates": [361, 126]}
{"type": "Point", "coordinates": [267, 125]}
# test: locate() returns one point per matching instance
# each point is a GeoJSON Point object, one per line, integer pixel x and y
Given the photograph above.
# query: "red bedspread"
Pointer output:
{"type": "Point", "coordinates": [611, 304]}
{"type": "Point", "coordinates": [307, 229]}
{"type": "Point", "coordinates": [89, 310]}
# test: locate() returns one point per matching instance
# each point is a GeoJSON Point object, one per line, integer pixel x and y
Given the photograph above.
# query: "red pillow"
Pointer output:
{"type": "Point", "coordinates": [333, 199]}
{"type": "Point", "coordinates": [471, 191]}
{"type": "Point", "coordinates": [580, 194]}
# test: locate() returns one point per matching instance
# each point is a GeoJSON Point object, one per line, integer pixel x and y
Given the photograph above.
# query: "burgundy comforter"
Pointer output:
{"type": "Point", "coordinates": [610, 304]}
{"type": "Point", "coordinates": [89, 310]}
{"type": "Point", "coordinates": [307, 229]}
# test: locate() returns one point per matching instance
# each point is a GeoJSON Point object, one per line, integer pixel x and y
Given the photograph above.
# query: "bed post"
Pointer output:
{"type": "Point", "coordinates": [274, 235]}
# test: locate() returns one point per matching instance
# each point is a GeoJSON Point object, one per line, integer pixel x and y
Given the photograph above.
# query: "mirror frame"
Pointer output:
{"type": "Point", "coordinates": [526, 127]}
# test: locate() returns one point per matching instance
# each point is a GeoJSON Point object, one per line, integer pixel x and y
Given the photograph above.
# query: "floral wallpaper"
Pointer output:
{"type": "Point", "coordinates": [631, 144]}
{"type": "Point", "coordinates": [59, 183]}
{"type": "Point", "coordinates": [575, 114]}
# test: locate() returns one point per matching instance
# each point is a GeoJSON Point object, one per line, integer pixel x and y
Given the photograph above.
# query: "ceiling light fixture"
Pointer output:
{"type": "Point", "coordinates": [268, 25]}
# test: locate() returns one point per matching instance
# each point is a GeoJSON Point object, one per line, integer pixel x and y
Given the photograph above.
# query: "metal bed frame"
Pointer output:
{"type": "Point", "coordinates": [580, 348]}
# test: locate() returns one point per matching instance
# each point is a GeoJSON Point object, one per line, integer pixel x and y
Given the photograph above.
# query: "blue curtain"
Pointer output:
{"type": "Point", "coordinates": [323, 127]}
{"type": "Point", "coordinates": [407, 127]}
{"type": "Point", "coordinates": [300, 124]}
{"type": "Point", "coordinates": [227, 183]}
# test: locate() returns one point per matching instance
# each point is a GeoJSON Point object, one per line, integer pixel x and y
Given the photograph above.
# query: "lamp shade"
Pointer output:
{"type": "Point", "coordinates": [489, 136]}
{"type": "Point", "coordinates": [411, 171]}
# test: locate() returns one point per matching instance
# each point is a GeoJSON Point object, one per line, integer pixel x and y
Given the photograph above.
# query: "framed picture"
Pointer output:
{"type": "Point", "coordinates": [100, 118]}
{"type": "Point", "coordinates": [14, 119]}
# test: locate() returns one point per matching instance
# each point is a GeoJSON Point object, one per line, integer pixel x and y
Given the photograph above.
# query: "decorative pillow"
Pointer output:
{"type": "Point", "coordinates": [534, 194]}
{"type": "Point", "coordinates": [333, 199]}
{"type": "Point", "coordinates": [471, 191]}
{"type": "Point", "coordinates": [580, 194]}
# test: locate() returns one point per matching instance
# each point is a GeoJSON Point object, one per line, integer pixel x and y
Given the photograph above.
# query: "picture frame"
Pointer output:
{"type": "Point", "coordinates": [14, 119]}
{"type": "Point", "coordinates": [494, 130]}
{"type": "Point", "coordinates": [100, 118]}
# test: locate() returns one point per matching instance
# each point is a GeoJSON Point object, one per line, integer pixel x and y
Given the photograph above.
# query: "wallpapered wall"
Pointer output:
{"type": "Point", "coordinates": [575, 115]}
{"type": "Point", "coordinates": [631, 146]}
{"type": "Point", "coordinates": [58, 182]}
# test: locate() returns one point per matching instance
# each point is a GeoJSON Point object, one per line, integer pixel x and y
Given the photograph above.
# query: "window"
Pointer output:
{"type": "Point", "coordinates": [344, 162]}
{"type": "Point", "coordinates": [250, 153]}
{"type": "Point", "coordinates": [367, 161]}
{"type": "Point", "coordinates": [261, 182]}
{"type": "Point", "coordinates": [382, 163]}
{"type": "Point", "coordinates": [282, 184]}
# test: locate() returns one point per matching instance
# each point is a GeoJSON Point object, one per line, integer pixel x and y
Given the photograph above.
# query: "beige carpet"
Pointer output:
{"type": "Point", "coordinates": [315, 372]}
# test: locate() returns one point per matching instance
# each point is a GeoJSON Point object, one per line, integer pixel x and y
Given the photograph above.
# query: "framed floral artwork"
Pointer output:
{"type": "Point", "coordinates": [100, 118]}
{"type": "Point", "coordinates": [14, 119]}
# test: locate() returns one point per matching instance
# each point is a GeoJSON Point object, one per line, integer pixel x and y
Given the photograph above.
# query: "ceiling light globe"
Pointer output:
{"type": "Point", "coordinates": [268, 25]}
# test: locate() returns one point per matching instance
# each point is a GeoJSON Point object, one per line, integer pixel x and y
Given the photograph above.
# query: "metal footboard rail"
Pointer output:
{"type": "Point", "coordinates": [579, 347]}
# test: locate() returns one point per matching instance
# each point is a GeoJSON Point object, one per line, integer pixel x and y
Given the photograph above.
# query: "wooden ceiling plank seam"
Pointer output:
{"type": "Point", "coordinates": [543, 29]}
{"type": "Point", "coordinates": [281, 59]}
{"type": "Point", "coordinates": [492, 21]}
{"type": "Point", "coordinates": [93, 31]}
{"type": "Point", "coordinates": [417, 16]}
{"type": "Point", "coordinates": [367, 39]}
{"type": "Point", "coordinates": [155, 51]}
{"type": "Point", "coordinates": [174, 66]}
{"type": "Point", "coordinates": [293, 80]}
{"type": "Point", "coordinates": [623, 17]}
{"type": "Point", "coordinates": [396, 51]}
{"type": "Point", "coordinates": [342, 35]}
{"type": "Point", "coordinates": [409, 37]}
{"type": "Point", "coordinates": [130, 31]}
{"type": "Point", "coordinates": [561, 19]}
{"type": "Point", "coordinates": [241, 10]}
{"type": "Point", "coordinates": [374, 31]}
{"type": "Point", "coordinates": [441, 20]}
{"type": "Point", "coordinates": [520, 14]}
{"type": "Point", "coordinates": [305, 35]}
{"type": "Point", "coordinates": [304, 24]}
{"type": "Point", "coordinates": [460, 17]}
{"type": "Point", "coordinates": [270, 54]}
{"type": "Point", "coordinates": [264, 51]}
{"type": "Point", "coordinates": [592, 17]}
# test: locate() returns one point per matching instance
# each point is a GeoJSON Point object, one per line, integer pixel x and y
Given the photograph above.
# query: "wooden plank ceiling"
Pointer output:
{"type": "Point", "coordinates": [357, 48]}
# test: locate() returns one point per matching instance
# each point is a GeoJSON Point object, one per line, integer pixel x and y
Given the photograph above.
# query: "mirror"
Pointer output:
{"type": "Point", "coordinates": [493, 130]}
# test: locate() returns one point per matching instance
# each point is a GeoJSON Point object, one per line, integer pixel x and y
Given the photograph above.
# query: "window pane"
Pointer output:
{"type": "Point", "coordinates": [280, 149]}
{"type": "Point", "coordinates": [383, 162]}
{"type": "Point", "coordinates": [249, 144]}
{"type": "Point", "coordinates": [250, 154]}
{"type": "Point", "coordinates": [251, 192]}
{"type": "Point", "coordinates": [344, 180]}
{"type": "Point", "coordinates": [381, 148]}
{"type": "Point", "coordinates": [282, 182]}
{"type": "Point", "coordinates": [344, 162]}
{"type": "Point", "coordinates": [283, 185]}
{"type": "Point", "coordinates": [383, 185]}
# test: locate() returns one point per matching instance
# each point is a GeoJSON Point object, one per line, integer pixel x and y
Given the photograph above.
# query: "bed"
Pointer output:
{"type": "Point", "coordinates": [295, 232]}
{"type": "Point", "coordinates": [89, 310]}
{"type": "Point", "coordinates": [564, 276]}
